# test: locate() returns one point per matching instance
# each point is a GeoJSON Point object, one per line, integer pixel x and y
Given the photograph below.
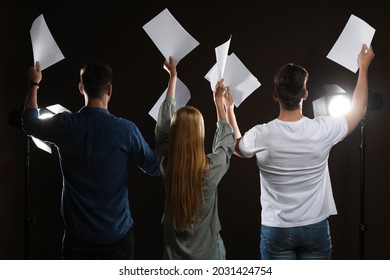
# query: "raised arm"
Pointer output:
{"type": "Point", "coordinates": [231, 116]}
{"type": "Point", "coordinates": [34, 75]}
{"type": "Point", "coordinates": [360, 95]}
{"type": "Point", "coordinates": [170, 66]}
{"type": "Point", "coordinates": [220, 89]}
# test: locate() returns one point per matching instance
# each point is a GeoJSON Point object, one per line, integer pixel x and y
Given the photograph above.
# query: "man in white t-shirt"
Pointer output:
{"type": "Point", "coordinates": [292, 155]}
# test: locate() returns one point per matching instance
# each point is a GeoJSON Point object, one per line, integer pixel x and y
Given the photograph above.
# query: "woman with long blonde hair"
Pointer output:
{"type": "Point", "coordinates": [191, 177]}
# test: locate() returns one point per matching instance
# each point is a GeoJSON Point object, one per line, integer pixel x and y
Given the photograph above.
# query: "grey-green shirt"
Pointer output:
{"type": "Point", "coordinates": [201, 242]}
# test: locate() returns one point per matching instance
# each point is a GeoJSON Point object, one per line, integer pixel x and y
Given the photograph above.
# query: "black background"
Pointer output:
{"type": "Point", "coordinates": [265, 35]}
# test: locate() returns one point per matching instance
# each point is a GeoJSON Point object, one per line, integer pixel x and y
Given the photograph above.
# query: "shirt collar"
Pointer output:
{"type": "Point", "coordinates": [87, 109]}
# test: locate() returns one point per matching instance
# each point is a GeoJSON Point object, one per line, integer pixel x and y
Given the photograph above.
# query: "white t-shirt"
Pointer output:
{"type": "Point", "coordinates": [293, 163]}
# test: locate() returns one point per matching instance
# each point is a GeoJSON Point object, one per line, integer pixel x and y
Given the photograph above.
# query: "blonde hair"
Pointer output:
{"type": "Point", "coordinates": [187, 163]}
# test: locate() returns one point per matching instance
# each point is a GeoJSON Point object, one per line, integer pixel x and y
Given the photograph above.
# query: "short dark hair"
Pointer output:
{"type": "Point", "coordinates": [95, 78]}
{"type": "Point", "coordinates": [290, 85]}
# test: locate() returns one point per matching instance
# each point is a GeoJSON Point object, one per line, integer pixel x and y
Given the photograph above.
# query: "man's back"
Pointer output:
{"type": "Point", "coordinates": [95, 148]}
{"type": "Point", "coordinates": [292, 159]}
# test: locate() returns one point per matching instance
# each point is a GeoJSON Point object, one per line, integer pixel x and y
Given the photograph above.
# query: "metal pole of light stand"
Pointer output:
{"type": "Point", "coordinates": [362, 226]}
{"type": "Point", "coordinates": [29, 221]}
{"type": "Point", "coordinates": [15, 119]}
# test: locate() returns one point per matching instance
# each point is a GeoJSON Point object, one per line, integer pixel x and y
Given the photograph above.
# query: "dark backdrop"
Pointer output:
{"type": "Point", "coordinates": [265, 35]}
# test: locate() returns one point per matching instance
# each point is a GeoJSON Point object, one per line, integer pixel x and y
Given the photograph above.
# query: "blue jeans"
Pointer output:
{"type": "Point", "coordinates": [311, 242]}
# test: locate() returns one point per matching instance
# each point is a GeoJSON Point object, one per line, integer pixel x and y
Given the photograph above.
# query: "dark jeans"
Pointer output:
{"type": "Point", "coordinates": [311, 242]}
{"type": "Point", "coordinates": [74, 248]}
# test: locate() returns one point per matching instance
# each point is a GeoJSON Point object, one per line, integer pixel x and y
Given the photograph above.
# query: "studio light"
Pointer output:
{"type": "Point", "coordinates": [337, 102]}
{"type": "Point", "coordinates": [50, 111]}
{"type": "Point", "coordinates": [47, 113]}
{"type": "Point", "coordinates": [43, 114]}
{"type": "Point", "coordinates": [339, 105]}
{"type": "Point", "coordinates": [15, 119]}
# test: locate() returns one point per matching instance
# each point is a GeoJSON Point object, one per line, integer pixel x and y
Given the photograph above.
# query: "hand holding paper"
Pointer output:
{"type": "Point", "coordinates": [45, 49]}
{"type": "Point", "coordinates": [172, 40]}
{"type": "Point", "coordinates": [169, 36]}
{"type": "Point", "coordinates": [239, 79]}
{"type": "Point", "coordinates": [347, 47]}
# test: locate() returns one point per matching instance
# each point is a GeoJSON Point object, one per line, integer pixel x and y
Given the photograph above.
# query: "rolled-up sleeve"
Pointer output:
{"type": "Point", "coordinates": [223, 148]}
{"type": "Point", "coordinates": [167, 109]}
{"type": "Point", "coordinates": [224, 138]}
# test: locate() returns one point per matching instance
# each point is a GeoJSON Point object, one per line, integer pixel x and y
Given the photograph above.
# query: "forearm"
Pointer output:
{"type": "Point", "coordinates": [221, 114]}
{"type": "Point", "coordinates": [237, 151]}
{"type": "Point", "coordinates": [34, 75]}
{"type": "Point", "coordinates": [231, 117]}
{"type": "Point", "coordinates": [360, 96]}
{"type": "Point", "coordinates": [31, 98]}
{"type": "Point", "coordinates": [237, 133]}
{"type": "Point", "coordinates": [359, 101]}
{"type": "Point", "coordinates": [171, 90]}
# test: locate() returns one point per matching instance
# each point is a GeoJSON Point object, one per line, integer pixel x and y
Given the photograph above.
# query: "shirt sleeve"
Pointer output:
{"type": "Point", "coordinates": [167, 109]}
{"type": "Point", "coordinates": [247, 144]}
{"type": "Point", "coordinates": [144, 156]}
{"type": "Point", "coordinates": [222, 150]}
{"type": "Point", "coordinates": [336, 128]}
{"type": "Point", "coordinates": [43, 129]}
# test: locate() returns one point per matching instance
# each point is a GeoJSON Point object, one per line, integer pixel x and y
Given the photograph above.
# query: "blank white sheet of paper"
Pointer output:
{"type": "Point", "coordinates": [41, 145]}
{"type": "Point", "coordinates": [349, 44]}
{"type": "Point", "coordinates": [45, 48]}
{"type": "Point", "coordinates": [182, 96]}
{"type": "Point", "coordinates": [237, 77]}
{"type": "Point", "coordinates": [221, 54]}
{"type": "Point", "coordinates": [169, 36]}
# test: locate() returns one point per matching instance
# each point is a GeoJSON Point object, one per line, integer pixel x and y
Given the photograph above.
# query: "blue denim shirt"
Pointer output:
{"type": "Point", "coordinates": [95, 150]}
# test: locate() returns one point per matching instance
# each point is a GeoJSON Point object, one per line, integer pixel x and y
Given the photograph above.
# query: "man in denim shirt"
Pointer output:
{"type": "Point", "coordinates": [95, 149]}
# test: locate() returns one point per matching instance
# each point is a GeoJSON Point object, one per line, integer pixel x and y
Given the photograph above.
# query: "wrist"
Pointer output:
{"type": "Point", "coordinates": [32, 84]}
{"type": "Point", "coordinates": [218, 97]}
{"type": "Point", "coordinates": [218, 102]}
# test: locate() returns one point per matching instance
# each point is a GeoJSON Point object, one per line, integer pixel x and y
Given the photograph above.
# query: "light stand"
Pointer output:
{"type": "Point", "coordinates": [16, 121]}
{"type": "Point", "coordinates": [375, 102]}
{"type": "Point", "coordinates": [362, 225]}
{"type": "Point", "coordinates": [29, 220]}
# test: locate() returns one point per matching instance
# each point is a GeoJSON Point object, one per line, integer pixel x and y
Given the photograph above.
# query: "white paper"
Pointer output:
{"type": "Point", "coordinates": [349, 44]}
{"type": "Point", "coordinates": [169, 36]}
{"type": "Point", "coordinates": [41, 145]}
{"type": "Point", "coordinates": [57, 108]}
{"type": "Point", "coordinates": [182, 96]}
{"type": "Point", "coordinates": [221, 53]}
{"type": "Point", "coordinates": [240, 80]}
{"type": "Point", "coordinates": [45, 49]}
